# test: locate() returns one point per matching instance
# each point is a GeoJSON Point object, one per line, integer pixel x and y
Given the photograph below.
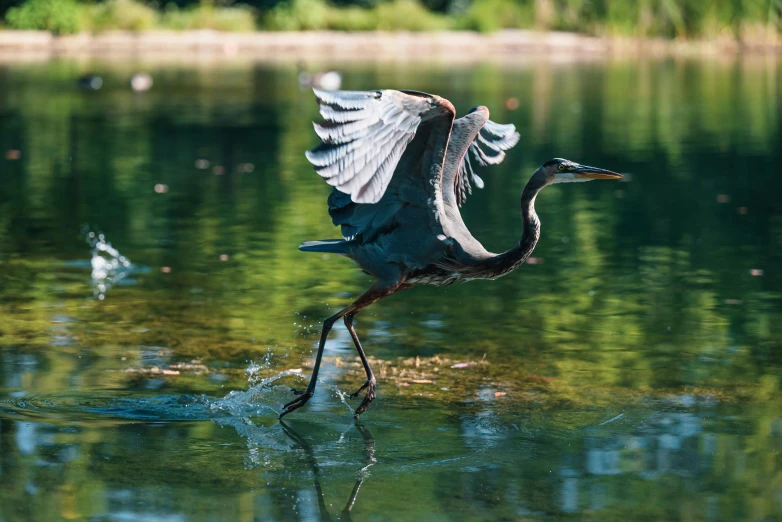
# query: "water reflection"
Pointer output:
{"type": "Point", "coordinates": [311, 461]}
{"type": "Point", "coordinates": [537, 470]}
{"type": "Point", "coordinates": [634, 372]}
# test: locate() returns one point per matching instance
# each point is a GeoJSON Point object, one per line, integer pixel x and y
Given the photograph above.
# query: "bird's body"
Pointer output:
{"type": "Point", "coordinates": [400, 166]}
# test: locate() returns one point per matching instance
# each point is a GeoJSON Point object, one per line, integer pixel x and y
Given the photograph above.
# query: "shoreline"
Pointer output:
{"type": "Point", "coordinates": [333, 45]}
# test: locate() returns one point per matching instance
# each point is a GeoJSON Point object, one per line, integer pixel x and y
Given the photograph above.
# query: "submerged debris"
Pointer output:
{"type": "Point", "coordinates": [540, 378]}
{"type": "Point", "coordinates": [194, 367]}
{"type": "Point", "coordinates": [151, 371]}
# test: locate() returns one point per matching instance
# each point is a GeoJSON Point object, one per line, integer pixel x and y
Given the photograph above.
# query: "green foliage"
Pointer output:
{"type": "Point", "coordinates": [408, 15]}
{"type": "Point", "coordinates": [298, 15]}
{"type": "Point", "coordinates": [239, 18]}
{"type": "Point", "coordinates": [740, 19]}
{"type": "Point", "coordinates": [352, 18]}
{"type": "Point", "coordinates": [128, 15]}
{"type": "Point", "coordinates": [667, 18]}
{"type": "Point", "coordinates": [68, 16]}
{"type": "Point", "coordinates": [57, 16]}
{"type": "Point", "coordinates": [490, 15]}
{"type": "Point", "coordinates": [398, 15]}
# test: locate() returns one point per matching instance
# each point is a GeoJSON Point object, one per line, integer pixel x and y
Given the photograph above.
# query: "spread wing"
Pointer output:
{"type": "Point", "coordinates": [365, 135]}
{"type": "Point", "coordinates": [484, 140]}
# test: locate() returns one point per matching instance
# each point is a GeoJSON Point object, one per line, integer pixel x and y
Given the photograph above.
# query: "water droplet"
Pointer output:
{"type": "Point", "coordinates": [108, 265]}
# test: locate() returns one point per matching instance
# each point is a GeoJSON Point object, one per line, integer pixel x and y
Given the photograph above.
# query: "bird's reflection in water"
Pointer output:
{"type": "Point", "coordinates": [361, 474]}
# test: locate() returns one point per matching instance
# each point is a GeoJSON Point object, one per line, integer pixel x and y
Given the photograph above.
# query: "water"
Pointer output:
{"type": "Point", "coordinates": [632, 372]}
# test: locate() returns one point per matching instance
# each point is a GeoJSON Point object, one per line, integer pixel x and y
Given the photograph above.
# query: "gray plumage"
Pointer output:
{"type": "Point", "coordinates": [401, 166]}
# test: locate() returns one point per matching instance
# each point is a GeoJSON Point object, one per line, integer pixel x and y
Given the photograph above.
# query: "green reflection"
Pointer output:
{"type": "Point", "coordinates": [643, 303]}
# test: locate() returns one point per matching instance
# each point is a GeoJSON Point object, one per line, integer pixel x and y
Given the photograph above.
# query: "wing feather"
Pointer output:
{"type": "Point", "coordinates": [488, 149]}
{"type": "Point", "coordinates": [373, 190]}
{"type": "Point", "coordinates": [364, 136]}
{"type": "Point", "coordinates": [484, 140]}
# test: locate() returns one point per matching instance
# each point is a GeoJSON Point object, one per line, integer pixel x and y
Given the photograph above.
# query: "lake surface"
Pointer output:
{"type": "Point", "coordinates": [155, 310]}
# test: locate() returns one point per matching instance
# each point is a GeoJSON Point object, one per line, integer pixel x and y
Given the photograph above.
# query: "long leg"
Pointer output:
{"type": "Point", "coordinates": [370, 383]}
{"type": "Point", "coordinates": [378, 291]}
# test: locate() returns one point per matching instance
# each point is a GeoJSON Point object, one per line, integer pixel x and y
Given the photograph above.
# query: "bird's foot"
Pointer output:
{"type": "Point", "coordinates": [298, 402]}
{"type": "Point", "coordinates": [294, 391]}
{"type": "Point", "coordinates": [363, 386]}
{"type": "Point", "coordinates": [368, 398]}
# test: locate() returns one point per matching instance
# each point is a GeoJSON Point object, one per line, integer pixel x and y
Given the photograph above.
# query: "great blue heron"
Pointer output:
{"type": "Point", "coordinates": [400, 167]}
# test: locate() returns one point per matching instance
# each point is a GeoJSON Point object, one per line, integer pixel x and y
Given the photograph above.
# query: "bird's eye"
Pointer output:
{"type": "Point", "coordinates": [561, 166]}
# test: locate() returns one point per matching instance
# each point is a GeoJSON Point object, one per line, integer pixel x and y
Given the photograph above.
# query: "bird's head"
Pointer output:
{"type": "Point", "coordinates": [560, 170]}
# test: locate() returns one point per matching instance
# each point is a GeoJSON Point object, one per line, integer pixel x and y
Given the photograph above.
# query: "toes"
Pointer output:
{"type": "Point", "coordinates": [300, 401]}
{"type": "Point", "coordinates": [367, 384]}
{"type": "Point", "coordinates": [296, 403]}
{"type": "Point", "coordinates": [368, 398]}
{"type": "Point", "coordinates": [361, 409]}
{"type": "Point", "coordinates": [289, 408]}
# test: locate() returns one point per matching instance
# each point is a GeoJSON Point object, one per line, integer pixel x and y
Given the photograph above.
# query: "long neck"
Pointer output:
{"type": "Point", "coordinates": [508, 261]}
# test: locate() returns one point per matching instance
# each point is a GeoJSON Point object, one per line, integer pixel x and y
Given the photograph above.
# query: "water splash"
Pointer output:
{"type": "Point", "coordinates": [253, 371]}
{"type": "Point", "coordinates": [108, 266]}
{"type": "Point", "coordinates": [260, 398]}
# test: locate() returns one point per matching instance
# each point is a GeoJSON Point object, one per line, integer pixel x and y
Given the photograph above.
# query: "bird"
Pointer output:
{"type": "Point", "coordinates": [400, 166]}
{"type": "Point", "coordinates": [329, 80]}
{"type": "Point", "coordinates": [141, 82]}
{"type": "Point", "coordinates": [90, 82]}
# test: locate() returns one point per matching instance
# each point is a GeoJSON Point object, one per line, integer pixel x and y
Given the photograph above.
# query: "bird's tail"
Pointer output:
{"type": "Point", "coordinates": [333, 246]}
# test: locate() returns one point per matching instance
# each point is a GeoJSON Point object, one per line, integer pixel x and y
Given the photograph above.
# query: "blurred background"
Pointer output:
{"type": "Point", "coordinates": [752, 20]}
{"type": "Point", "coordinates": [155, 308]}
